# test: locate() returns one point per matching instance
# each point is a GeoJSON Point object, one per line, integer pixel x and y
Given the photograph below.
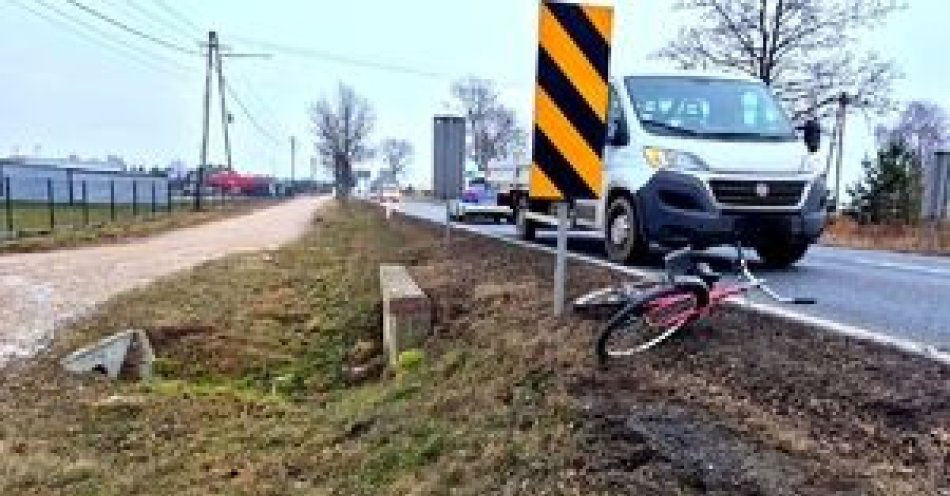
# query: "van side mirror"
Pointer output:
{"type": "Point", "coordinates": [812, 135]}
{"type": "Point", "coordinates": [618, 135]}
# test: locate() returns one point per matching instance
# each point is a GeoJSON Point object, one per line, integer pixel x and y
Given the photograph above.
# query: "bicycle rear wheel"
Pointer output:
{"type": "Point", "coordinates": [648, 322]}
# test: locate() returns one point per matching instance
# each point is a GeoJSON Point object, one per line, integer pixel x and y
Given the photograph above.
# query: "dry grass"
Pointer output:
{"type": "Point", "coordinates": [253, 397]}
{"type": "Point", "coordinates": [253, 394]}
{"type": "Point", "coordinates": [929, 239]}
{"type": "Point", "coordinates": [124, 228]}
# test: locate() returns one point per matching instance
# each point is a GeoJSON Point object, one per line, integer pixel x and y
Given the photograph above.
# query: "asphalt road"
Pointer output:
{"type": "Point", "coordinates": [905, 296]}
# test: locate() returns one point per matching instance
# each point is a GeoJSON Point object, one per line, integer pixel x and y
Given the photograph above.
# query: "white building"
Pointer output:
{"type": "Point", "coordinates": [31, 179]}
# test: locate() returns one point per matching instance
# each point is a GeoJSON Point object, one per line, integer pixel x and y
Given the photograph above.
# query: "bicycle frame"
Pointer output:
{"type": "Point", "coordinates": [718, 294]}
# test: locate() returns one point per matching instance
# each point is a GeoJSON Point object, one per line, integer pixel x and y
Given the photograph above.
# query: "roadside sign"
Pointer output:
{"type": "Point", "coordinates": [571, 101]}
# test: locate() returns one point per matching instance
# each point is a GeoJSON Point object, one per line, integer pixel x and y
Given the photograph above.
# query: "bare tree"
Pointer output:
{"type": "Point", "coordinates": [341, 128]}
{"type": "Point", "coordinates": [492, 128]}
{"type": "Point", "coordinates": [923, 126]}
{"type": "Point", "coordinates": [803, 49]}
{"type": "Point", "coordinates": [397, 153]}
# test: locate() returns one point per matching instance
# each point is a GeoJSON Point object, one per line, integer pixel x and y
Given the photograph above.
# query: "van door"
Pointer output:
{"type": "Point", "coordinates": [591, 213]}
{"type": "Point", "coordinates": [618, 149]}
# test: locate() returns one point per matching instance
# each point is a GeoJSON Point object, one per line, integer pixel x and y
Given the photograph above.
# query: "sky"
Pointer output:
{"type": "Point", "coordinates": [102, 92]}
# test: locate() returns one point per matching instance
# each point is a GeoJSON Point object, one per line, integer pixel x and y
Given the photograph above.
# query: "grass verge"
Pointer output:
{"type": "Point", "coordinates": [258, 390]}
{"type": "Point", "coordinates": [253, 394]}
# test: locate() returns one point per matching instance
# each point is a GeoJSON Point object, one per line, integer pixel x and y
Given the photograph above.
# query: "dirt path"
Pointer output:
{"type": "Point", "coordinates": [39, 291]}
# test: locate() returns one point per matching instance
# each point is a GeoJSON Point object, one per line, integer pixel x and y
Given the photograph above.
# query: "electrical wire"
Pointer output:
{"type": "Point", "coordinates": [177, 15]}
{"type": "Point", "coordinates": [125, 27]}
{"type": "Point", "coordinates": [135, 11]}
{"type": "Point", "coordinates": [258, 101]}
{"type": "Point", "coordinates": [331, 57]}
{"type": "Point", "coordinates": [127, 51]}
{"type": "Point", "coordinates": [250, 117]}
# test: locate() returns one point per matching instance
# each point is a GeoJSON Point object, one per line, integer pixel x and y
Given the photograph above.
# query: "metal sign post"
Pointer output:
{"type": "Point", "coordinates": [570, 113]}
{"type": "Point", "coordinates": [448, 223]}
{"type": "Point", "coordinates": [560, 264]}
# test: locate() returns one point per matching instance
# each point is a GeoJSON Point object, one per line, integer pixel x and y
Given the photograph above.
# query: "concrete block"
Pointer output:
{"type": "Point", "coordinates": [128, 351]}
{"type": "Point", "coordinates": [407, 312]}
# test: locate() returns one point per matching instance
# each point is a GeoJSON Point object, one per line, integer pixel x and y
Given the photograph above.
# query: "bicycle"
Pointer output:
{"type": "Point", "coordinates": [647, 318]}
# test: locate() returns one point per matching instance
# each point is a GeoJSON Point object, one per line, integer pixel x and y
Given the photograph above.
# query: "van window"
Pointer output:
{"type": "Point", "coordinates": [708, 107]}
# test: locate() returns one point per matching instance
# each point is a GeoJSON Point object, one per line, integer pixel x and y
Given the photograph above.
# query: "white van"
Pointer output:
{"type": "Point", "coordinates": [700, 159]}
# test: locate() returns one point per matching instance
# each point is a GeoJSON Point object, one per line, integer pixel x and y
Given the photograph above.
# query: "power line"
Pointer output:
{"type": "Point", "coordinates": [332, 57]}
{"type": "Point", "coordinates": [127, 51]}
{"type": "Point", "coordinates": [311, 53]}
{"type": "Point", "coordinates": [177, 15]}
{"type": "Point", "coordinates": [139, 13]}
{"type": "Point", "coordinates": [126, 27]}
{"type": "Point", "coordinates": [258, 101]}
{"type": "Point", "coordinates": [250, 117]}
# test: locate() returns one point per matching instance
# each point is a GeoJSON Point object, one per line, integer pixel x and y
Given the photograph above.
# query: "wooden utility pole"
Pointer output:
{"type": "Point", "coordinates": [843, 101]}
{"type": "Point", "coordinates": [225, 116]}
{"type": "Point", "coordinates": [293, 162]}
{"type": "Point", "coordinates": [199, 180]}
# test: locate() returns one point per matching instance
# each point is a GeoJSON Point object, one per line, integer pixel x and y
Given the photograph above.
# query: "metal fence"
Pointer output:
{"type": "Point", "coordinates": [30, 204]}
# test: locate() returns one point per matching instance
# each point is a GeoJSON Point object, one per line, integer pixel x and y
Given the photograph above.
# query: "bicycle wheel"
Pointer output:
{"type": "Point", "coordinates": [644, 324]}
{"type": "Point", "coordinates": [605, 302]}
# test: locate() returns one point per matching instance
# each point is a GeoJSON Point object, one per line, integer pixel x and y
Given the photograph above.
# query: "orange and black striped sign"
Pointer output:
{"type": "Point", "coordinates": [571, 101]}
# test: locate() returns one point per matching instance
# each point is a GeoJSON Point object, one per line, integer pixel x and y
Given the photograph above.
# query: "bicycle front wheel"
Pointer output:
{"type": "Point", "coordinates": [643, 325]}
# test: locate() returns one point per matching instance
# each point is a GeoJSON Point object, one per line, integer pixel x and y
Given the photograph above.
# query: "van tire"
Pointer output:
{"type": "Point", "coordinates": [781, 254]}
{"type": "Point", "coordinates": [623, 239]}
{"type": "Point", "coordinates": [527, 228]}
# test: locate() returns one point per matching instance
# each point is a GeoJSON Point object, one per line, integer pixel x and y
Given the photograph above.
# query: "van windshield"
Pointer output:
{"type": "Point", "coordinates": [708, 108]}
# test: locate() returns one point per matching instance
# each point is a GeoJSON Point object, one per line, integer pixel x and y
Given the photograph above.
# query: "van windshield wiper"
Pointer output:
{"type": "Point", "coordinates": [670, 127]}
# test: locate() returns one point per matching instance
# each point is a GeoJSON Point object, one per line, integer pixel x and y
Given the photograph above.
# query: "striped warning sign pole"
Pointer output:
{"type": "Point", "coordinates": [570, 116]}
{"type": "Point", "coordinates": [570, 125]}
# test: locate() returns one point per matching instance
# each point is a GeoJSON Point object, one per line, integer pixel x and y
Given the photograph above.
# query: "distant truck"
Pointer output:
{"type": "Point", "coordinates": [480, 199]}
{"type": "Point", "coordinates": [696, 159]}
{"type": "Point", "coordinates": [488, 194]}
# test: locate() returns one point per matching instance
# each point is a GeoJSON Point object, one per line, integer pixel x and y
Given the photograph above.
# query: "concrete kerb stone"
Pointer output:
{"type": "Point", "coordinates": [127, 350]}
{"type": "Point", "coordinates": [407, 311]}
{"type": "Point", "coordinates": [854, 332]}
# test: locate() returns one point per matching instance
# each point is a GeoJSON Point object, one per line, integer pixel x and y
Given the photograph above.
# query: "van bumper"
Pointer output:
{"type": "Point", "coordinates": [678, 209]}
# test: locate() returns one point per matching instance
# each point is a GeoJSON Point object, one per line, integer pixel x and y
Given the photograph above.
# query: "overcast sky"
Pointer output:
{"type": "Point", "coordinates": [62, 93]}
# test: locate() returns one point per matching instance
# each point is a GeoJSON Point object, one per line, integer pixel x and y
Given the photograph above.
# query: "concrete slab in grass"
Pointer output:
{"type": "Point", "coordinates": [407, 311]}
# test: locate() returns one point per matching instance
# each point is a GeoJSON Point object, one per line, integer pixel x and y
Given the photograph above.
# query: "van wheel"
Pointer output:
{"type": "Point", "coordinates": [526, 227]}
{"type": "Point", "coordinates": [622, 238]}
{"type": "Point", "coordinates": [780, 254]}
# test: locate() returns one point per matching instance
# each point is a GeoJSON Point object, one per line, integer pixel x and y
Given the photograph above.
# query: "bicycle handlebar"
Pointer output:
{"type": "Point", "coordinates": [744, 271]}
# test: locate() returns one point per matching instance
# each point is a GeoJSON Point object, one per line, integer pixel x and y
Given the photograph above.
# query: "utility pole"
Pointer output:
{"type": "Point", "coordinates": [215, 63]}
{"type": "Point", "coordinates": [293, 162]}
{"type": "Point", "coordinates": [225, 117]}
{"type": "Point", "coordinates": [843, 101]}
{"type": "Point", "coordinates": [199, 180]}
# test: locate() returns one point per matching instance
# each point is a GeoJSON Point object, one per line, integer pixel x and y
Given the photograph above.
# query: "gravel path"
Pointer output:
{"type": "Point", "coordinates": [38, 291]}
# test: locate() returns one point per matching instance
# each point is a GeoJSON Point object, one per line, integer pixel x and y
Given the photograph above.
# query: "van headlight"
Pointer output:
{"type": "Point", "coordinates": [811, 164]}
{"type": "Point", "coordinates": [661, 158]}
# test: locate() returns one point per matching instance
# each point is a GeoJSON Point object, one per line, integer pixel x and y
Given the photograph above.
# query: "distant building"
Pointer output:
{"type": "Point", "coordinates": [63, 180]}
{"type": "Point", "coordinates": [112, 163]}
{"type": "Point", "coordinates": [385, 178]}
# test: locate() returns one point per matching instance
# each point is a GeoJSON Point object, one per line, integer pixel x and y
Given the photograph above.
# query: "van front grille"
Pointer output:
{"type": "Point", "coordinates": [730, 193]}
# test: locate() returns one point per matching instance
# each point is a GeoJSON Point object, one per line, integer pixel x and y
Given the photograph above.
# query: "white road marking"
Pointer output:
{"type": "Point", "coordinates": [920, 269]}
